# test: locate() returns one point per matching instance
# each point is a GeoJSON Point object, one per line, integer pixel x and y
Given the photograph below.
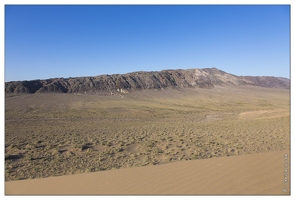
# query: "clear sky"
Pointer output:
{"type": "Point", "coordinates": [49, 41]}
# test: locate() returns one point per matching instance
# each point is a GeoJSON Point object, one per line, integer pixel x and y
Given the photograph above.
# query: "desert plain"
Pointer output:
{"type": "Point", "coordinates": [179, 136]}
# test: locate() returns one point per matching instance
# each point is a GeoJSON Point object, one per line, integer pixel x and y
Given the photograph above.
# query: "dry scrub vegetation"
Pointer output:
{"type": "Point", "coordinates": [60, 134]}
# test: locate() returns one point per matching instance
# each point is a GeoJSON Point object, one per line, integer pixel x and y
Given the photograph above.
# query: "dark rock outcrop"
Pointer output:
{"type": "Point", "coordinates": [124, 83]}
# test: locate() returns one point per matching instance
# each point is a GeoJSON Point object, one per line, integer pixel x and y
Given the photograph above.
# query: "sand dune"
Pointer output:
{"type": "Point", "coordinates": [261, 173]}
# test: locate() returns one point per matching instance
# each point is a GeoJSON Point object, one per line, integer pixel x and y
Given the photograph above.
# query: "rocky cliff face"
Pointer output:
{"type": "Point", "coordinates": [124, 83]}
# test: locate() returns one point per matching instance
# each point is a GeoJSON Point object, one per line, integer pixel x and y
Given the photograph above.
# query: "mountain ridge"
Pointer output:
{"type": "Point", "coordinates": [141, 80]}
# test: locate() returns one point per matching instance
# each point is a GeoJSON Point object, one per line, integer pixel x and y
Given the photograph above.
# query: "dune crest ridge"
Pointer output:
{"type": "Point", "coordinates": [261, 173]}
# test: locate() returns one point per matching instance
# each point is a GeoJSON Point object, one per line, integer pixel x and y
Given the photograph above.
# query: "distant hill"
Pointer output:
{"type": "Point", "coordinates": [125, 83]}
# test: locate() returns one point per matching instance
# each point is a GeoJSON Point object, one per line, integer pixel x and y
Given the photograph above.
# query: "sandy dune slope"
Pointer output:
{"type": "Point", "coordinates": [261, 173]}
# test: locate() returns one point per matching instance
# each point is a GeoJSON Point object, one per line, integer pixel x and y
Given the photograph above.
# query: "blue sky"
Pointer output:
{"type": "Point", "coordinates": [70, 41]}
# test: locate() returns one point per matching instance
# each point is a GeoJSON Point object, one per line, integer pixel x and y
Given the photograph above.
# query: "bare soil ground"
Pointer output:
{"type": "Point", "coordinates": [61, 134]}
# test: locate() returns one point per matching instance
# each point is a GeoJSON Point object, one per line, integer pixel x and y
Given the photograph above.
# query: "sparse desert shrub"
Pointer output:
{"type": "Point", "coordinates": [160, 135]}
